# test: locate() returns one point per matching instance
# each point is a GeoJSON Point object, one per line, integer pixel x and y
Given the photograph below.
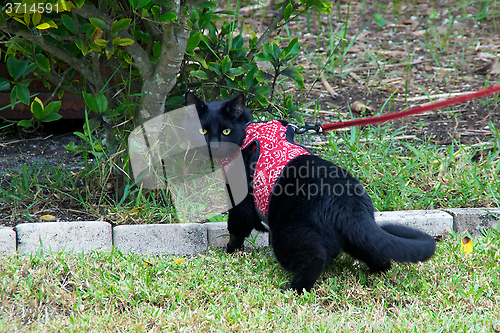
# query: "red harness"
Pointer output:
{"type": "Point", "coordinates": [275, 153]}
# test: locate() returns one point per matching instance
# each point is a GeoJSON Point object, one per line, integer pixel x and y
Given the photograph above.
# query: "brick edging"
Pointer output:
{"type": "Point", "coordinates": [194, 238]}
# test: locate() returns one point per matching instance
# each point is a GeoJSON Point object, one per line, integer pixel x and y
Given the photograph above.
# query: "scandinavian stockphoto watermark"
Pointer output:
{"type": "Point", "coordinates": [170, 152]}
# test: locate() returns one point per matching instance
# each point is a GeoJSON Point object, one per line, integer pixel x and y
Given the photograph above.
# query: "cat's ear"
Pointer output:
{"type": "Point", "coordinates": [237, 105]}
{"type": "Point", "coordinates": [191, 99]}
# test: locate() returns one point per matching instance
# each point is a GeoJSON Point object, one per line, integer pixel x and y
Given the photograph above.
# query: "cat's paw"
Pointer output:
{"type": "Point", "coordinates": [235, 243]}
{"type": "Point", "coordinates": [381, 267]}
{"type": "Point", "coordinates": [289, 288]}
{"type": "Point", "coordinates": [231, 248]}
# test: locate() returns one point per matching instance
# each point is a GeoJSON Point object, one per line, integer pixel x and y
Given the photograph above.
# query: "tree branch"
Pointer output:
{"type": "Point", "coordinates": [269, 30]}
{"type": "Point", "coordinates": [156, 88]}
{"type": "Point", "coordinates": [77, 64]}
{"type": "Point", "coordinates": [56, 79]}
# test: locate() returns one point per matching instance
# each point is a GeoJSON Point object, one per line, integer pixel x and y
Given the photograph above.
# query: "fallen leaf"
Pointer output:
{"type": "Point", "coordinates": [147, 263]}
{"type": "Point", "coordinates": [328, 88]}
{"type": "Point", "coordinates": [412, 22]}
{"type": "Point", "coordinates": [179, 261]}
{"type": "Point", "coordinates": [492, 67]}
{"type": "Point", "coordinates": [47, 217]}
{"type": "Point", "coordinates": [360, 107]}
{"type": "Point", "coordinates": [466, 245]}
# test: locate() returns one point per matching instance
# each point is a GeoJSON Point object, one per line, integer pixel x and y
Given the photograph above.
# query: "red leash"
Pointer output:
{"type": "Point", "coordinates": [402, 114]}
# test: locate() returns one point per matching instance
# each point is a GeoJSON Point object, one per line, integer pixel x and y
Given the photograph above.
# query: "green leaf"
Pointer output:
{"type": "Point", "coordinates": [42, 62]}
{"type": "Point", "coordinates": [95, 47]}
{"type": "Point", "coordinates": [118, 41]}
{"type": "Point", "coordinates": [43, 26]}
{"type": "Point", "coordinates": [262, 76]}
{"type": "Point", "coordinates": [101, 42]}
{"type": "Point", "coordinates": [68, 22]}
{"type": "Point", "coordinates": [120, 25]}
{"type": "Point", "coordinates": [30, 68]}
{"type": "Point", "coordinates": [215, 67]}
{"type": "Point", "coordinates": [226, 64]}
{"type": "Point", "coordinates": [292, 50]}
{"type": "Point", "coordinates": [37, 17]}
{"type": "Point", "coordinates": [94, 123]}
{"type": "Point", "coordinates": [37, 108]}
{"type": "Point", "coordinates": [199, 74]}
{"type": "Point", "coordinates": [142, 4]}
{"type": "Point", "coordinates": [288, 11]}
{"type": "Point", "coordinates": [102, 102]}
{"type": "Point", "coordinates": [157, 50]}
{"type": "Point", "coordinates": [23, 93]}
{"type": "Point", "coordinates": [15, 67]}
{"type": "Point", "coordinates": [324, 7]}
{"type": "Point", "coordinates": [167, 17]}
{"type": "Point", "coordinates": [88, 29]}
{"type": "Point", "coordinates": [25, 123]}
{"type": "Point", "coordinates": [155, 10]}
{"type": "Point", "coordinates": [234, 72]}
{"type": "Point", "coordinates": [53, 107]}
{"type": "Point", "coordinates": [207, 4]}
{"type": "Point", "coordinates": [262, 91]}
{"type": "Point", "coordinates": [205, 18]}
{"type": "Point", "coordinates": [51, 117]}
{"type": "Point", "coordinates": [379, 19]}
{"type": "Point", "coordinates": [13, 96]}
{"type": "Point", "coordinates": [192, 43]}
{"type": "Point", "coordinates": [91, 102]}
{"type": "Point", "coordinates": [80, 45]}
{"type": "Point", "coordinates": [47, 25]}
{"type": "Point", "coordinates": [98, 23]}
{"type": "Point", "coordinates": [4, 84]}
{"type": "Point", "coordinates": [295, 73]}
{"type": "Point", "coordinates": [80, 135]}
{"type": "Point", "coordinates": [249, 80]}
{"type": "Point", "coordinates": [73, 149]}
{"type": "Point", "coordinates": [264, 56]}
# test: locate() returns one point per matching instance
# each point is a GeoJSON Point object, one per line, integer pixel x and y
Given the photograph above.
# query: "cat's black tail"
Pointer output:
{"type": "Point", "coordinates": [377, 246]}
{"type": "Point", "coordinates": [405, 244]}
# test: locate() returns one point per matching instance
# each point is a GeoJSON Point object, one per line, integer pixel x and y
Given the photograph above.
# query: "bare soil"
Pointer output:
{"type": "Point", "coordinates": [402, 54]}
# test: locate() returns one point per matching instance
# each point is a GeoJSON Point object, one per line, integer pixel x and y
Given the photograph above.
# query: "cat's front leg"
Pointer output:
{"type": "Point", "coordinates": [235, 243]}
{"type": "Point", "coordinates": [242, 219]}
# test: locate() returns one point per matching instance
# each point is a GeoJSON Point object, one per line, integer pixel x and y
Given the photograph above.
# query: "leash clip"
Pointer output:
{"type": "Point", "coordinates": [307, 128]}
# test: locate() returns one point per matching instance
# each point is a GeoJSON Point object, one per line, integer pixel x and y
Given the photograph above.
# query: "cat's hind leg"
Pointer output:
{"type": "Point", "coordinates": [300, 250]}
{"type": "Point", "coordinates": [375, 261]}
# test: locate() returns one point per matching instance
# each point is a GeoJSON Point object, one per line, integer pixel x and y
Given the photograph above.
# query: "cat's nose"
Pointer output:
{"type": "Point", "coordinates": [214, 145]}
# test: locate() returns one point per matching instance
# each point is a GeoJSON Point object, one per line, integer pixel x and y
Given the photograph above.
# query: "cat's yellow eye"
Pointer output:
{"type": "Point", "coordinates": [203, 131]}
{"type": "Point", "coordinates": [226, 131]}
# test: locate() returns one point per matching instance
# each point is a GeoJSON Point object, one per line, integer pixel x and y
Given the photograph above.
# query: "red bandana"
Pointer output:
{"type": "Point", "coordinates": [275, 153]}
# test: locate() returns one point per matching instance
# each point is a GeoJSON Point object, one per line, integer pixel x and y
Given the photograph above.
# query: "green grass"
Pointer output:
{"type": "Point", "coordinates": [398, 174]}
{"type": "Point", "coordinates": [111, 291]}
{"type": "Point", "coordinates": [402, 174]}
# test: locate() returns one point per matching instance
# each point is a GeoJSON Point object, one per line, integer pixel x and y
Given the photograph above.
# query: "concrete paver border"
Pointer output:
{"type": "Point", "coordinates": [195, 238]}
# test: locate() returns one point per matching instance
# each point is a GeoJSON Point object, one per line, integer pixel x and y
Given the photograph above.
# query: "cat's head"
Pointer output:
{"type": "Point", "coordinates": [223, 123]}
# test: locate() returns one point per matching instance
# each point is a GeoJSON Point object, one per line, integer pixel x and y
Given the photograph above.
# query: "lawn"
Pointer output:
{"type": "Point", "coordinates": [385, 55]}
{"type": "Point", "coordinates": [112, 291]}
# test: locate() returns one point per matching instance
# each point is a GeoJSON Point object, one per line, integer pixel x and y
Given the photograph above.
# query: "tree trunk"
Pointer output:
{"type": "Point", "coordinates": [157, 86]}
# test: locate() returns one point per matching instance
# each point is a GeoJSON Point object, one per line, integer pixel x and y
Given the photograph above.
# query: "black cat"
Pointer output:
{"type": "Point", "coordinates": [316, 209]}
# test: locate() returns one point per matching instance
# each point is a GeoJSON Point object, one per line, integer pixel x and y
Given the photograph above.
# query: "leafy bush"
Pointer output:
{"type": "Point", "coordinates": [132, 60]}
